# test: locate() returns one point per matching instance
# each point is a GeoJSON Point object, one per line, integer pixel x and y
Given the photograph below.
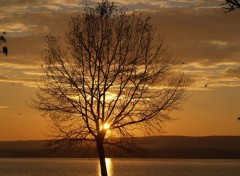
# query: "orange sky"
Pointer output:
{"type": "Point", "coordinates": [198, 33]}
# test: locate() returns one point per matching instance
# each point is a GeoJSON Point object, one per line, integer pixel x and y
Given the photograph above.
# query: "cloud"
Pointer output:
{"type": "Point", "coordinates": [157, 4]}
{"type": "Point", "coordinates": [198, 33]}
{"type": "Point", "coordinates": [33, 73]}
{"type": "Point", "coordinates": [19, 74]}
{"type": "Point", "coordinates": [28, 82]}
{"type": "Point", "coordinates": [215, 76]}
{"type": "Point", "coordinates": [218, 43]}
{"type": "Point", "coordinates": [208, 36]}
{"type": "Point", "coordinates": [233, 70]}
{"type": "Point", "coordinates": [31, 6]}
{"type": "Point", "coordinates": [204, 35]}
{"type": "Point", "coordinates": [16, 29]}
{"type": "Point", "coordinates": [4, 107]}
{"type": "Point", "coordinates": [44, 6]}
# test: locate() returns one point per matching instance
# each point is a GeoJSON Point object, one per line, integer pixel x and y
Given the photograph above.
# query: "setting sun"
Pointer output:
{"type": "Point", "coordinates": [106, 126]}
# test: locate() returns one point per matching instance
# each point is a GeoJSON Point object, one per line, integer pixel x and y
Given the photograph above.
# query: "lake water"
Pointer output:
{"type": "Point", "coordinates": [118, 167]}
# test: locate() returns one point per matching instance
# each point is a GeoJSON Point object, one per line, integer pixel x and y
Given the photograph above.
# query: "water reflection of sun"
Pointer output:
{"type": "Point", "coordinates": [109, 167]}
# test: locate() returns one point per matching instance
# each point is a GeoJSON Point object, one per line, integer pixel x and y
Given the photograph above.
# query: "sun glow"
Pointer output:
{"type": "Point", "coordinates": [106, 126]}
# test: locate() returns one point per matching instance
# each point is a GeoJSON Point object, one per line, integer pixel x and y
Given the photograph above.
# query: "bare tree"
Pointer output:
{"type": "Point", "coordinates": [3, 40]}
{"type": "Point", "coordinates": [112, 75]}
{"type": "Point", "coordinates": [230, 5]}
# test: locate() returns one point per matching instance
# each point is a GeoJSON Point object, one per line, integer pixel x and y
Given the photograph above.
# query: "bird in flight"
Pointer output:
{"type": "Point", "coordinates": [206, 85]}
{"type": "Point", "coordinates": [238, 118]}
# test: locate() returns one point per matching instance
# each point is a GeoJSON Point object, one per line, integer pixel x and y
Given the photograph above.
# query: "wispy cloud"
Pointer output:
{"type": "Point", "coordinates": [28, 82]}
{"type": "Point", "coordinates": [34, 6]}
{"type": "Point", "coordinates": [4, 107]}
{"type": "Point", "coordinates": [218, 43]}
{"type": "Point", "coordinates": [159, 4]}
{"type": "Point", "coordinates": [19, 29]}
{"type": "Point", "coordinates": [218, 75]}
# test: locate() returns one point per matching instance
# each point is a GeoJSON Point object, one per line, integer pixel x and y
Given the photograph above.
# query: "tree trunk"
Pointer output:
{"type": "Point", "coordinates": [101, 155]}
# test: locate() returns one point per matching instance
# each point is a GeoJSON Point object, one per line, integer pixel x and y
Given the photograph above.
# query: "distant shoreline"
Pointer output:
{"type": "Point", "coordinates": [162, 147]}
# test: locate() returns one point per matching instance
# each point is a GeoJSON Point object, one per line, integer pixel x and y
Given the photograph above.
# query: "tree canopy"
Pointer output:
{"type": "Point", "coordinates": [3, 40]}
{"type": "Point", "coordinates": [113, 74]}
{"type": "Point", "coordinates": [230, 5]}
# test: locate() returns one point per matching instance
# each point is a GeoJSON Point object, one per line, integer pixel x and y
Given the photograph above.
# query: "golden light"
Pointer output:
{"type": "Point", "coordinates": [106, 126]}
{"type": "Point", "coordinates": [108, 165]}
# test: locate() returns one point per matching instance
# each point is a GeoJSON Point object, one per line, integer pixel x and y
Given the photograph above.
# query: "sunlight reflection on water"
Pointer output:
{"type": "Point", "coordinates": [109, 167]}
{"type": "Point", "coordinates": [118, 167]}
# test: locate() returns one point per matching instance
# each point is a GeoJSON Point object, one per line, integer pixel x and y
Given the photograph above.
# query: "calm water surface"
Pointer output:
{"type": "Point", "coordinates": [118, 167]}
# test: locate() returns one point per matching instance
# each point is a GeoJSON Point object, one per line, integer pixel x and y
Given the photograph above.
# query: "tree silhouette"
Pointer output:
{"type": "Point", "coordinates": [3, 40]}
{"type": "Point", "coordinates": [112, 74]}
{"type": "Point", "coordinates": [230, 5]}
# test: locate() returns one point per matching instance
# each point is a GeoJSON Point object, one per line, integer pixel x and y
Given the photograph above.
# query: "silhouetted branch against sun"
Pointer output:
{"type": "Point", "coordinates": [3, 40]}
{"type": "Point", "coordinates": [114, 74]}
{"type": "Point", "coordinates": [230, 5]}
